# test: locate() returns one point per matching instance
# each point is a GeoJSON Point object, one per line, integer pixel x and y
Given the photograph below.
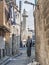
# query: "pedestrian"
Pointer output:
{"type": "Point", "coordinates": [28, 45]}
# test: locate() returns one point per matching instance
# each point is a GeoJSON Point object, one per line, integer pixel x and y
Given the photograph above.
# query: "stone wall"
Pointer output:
{"type": "Point", "coordinates": [1, 13]}
{"type": "Point", "coordinates": [4, 27]}
{"type": "Point", "coordinates": [42, 32]}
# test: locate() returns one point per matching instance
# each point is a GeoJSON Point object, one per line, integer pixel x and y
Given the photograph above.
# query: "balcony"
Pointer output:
{"type": "Point", "coordinates": [4, 16]}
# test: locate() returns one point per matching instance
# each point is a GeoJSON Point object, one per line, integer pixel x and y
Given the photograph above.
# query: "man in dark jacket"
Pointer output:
{"type": "Point", "coordinates": [28, 45]}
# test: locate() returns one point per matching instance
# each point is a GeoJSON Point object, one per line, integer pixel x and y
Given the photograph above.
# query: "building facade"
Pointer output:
{"type": "Point", "coordinates": [4, 28]}
{"type": "Point", "coordinates": [9, 26]}
{"type": "Point", "coordinates": [15, 31]}
{"type": "Point", "coordinates": [41, 18]}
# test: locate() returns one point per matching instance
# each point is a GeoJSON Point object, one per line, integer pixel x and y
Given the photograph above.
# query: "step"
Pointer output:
{"type": "Point", "coordinates": [3, 60]}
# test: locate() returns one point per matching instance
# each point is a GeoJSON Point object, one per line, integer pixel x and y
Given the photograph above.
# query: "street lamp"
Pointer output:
{"type": "Point", "coordinates": [26, 2]}
{"type": "Point", "coordinates": [29, 3]}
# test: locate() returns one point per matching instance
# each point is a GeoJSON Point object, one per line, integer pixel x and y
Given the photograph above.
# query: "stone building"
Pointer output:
{"type": "Point", "coordinates": [14, 41]}
{"type": "Point", "coordinates": [15, 29]}
{"type": "Point", "coordinates": [24, 33]}
{"type": "Point", "coordinates": [4, 27]}
{"type": "Point", "coordinates": [24, 15]}
{"type": "Point", "coordinates": [41, 18]}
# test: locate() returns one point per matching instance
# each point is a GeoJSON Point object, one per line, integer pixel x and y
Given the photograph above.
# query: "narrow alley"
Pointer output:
{"type": "Point", "coordinates": [22, 59]}
{"type": "Point", "coordinates": [24, 32]}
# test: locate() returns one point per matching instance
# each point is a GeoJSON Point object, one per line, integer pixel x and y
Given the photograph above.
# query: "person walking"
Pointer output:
{"type": "Point", "coordinates": [28, 45]}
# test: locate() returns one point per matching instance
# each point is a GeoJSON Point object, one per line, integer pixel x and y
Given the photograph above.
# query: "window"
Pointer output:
{"type": "Point", "coordinates": [36, 1]}
{"type": "Point", "coordinates": [7, 15]}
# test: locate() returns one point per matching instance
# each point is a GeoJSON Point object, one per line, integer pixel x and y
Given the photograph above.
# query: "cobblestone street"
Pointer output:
{"type": "Point", "coordinates": [22, 59]}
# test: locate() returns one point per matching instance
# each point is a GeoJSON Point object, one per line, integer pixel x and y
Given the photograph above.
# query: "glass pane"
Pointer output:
{"type": "Point", "coordinates": [36, 1]}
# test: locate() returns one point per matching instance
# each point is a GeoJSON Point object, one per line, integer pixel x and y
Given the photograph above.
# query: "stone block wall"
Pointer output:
{"type": "Point", "coordinates": [42, 32]}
